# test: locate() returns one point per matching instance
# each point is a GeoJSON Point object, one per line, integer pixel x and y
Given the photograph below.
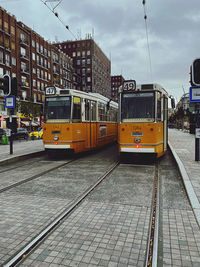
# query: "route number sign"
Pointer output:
{"type": "Point", "coordinates": [50, 90]}
{"type": "Point", "coordinates": [129, 85]}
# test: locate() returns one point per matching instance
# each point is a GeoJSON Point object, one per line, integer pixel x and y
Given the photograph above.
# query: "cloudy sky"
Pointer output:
{"type": "Point", "coordinates": [118, 27]}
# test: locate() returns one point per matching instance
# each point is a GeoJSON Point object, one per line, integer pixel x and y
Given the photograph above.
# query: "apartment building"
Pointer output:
{"type": "Point", "coordinates": [34, 61]}
{"type": "Point", "coordinates": [116, 82]}
{"type": "Point", "coordinates": [90, 63]}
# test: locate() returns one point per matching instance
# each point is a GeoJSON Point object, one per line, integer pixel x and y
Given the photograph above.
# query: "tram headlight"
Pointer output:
{"type": "Point", "coordinates": [137, 139]}
{"type": "Point", "coordinates": [56, 138]}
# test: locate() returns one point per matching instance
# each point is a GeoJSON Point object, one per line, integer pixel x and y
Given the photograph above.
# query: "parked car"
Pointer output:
{"type": "Point", "coordinates": [21, 133]}
{"type": "Point", "coordinates": [36, 134]}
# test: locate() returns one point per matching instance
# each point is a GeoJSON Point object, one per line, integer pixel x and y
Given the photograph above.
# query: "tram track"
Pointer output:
{"type": "Point", "coordinates": [129, 199]}
{"type": "Point", "coordinates": [22, 254]}
{"type": "Point", "coordinates": [35, 176]}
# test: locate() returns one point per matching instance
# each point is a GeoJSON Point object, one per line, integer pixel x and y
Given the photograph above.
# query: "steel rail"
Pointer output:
{"type": "Point", "coordinates": [152, 247]}
{"type": "Point", "coordinates": [34, 176]}
{"type": "Point", "coordinates": [22, 254]}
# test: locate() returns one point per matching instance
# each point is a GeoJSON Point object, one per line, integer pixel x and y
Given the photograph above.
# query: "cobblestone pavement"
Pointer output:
{"type": "Point", "coordinates": [180, 244]}
{"type": "Point", "coordinates": [184, 145]}
{"type": "Point", "coordinates": [110, 228]}
{"type": "Point", "coordinates": [20, 147]}
{"type": "Point", "coordinates": [26, 209]}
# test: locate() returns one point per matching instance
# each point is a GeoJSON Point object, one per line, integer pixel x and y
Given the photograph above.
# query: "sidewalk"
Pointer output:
{"type": "Point", "coordinates": [182, 145]}
{"type": "Point", "coordinates": [21, 148]}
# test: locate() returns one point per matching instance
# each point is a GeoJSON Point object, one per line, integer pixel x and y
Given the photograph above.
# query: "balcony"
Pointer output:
{"type": "Point", "coordinates": [24, 42]}
{"type": "Point", "coordinates": [25, 84]}
{"type": "Point", "coordinates": [25, 71]}
{"type": "Point", "coordinates": [25, 57]}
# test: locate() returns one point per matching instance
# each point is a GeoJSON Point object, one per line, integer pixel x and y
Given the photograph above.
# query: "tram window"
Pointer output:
{"type": "Point", "coordinates": [76, 109]}
{"type": "Point", "coordinates": [101, 112]}
{"type": "Point", "coordinates": [93, 111]}
{"type": "Point", "coordinates": [87, 110]}
{"type": "Point", "coordinates": [58, 108]}
{"type": "Point", "coordinates": [158, 106]}
{"type": "Point", "coordinates": [138, 106]}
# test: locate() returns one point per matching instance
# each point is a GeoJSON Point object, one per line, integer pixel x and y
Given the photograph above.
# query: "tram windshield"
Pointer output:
{"type": "Point", "coordinates": [138, 107]}
{"type": "Point", "coordinates": [58, 108]}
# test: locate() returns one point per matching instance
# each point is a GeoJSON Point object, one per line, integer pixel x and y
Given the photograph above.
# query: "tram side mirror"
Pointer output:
{"type": "Point", "coordinates": [172, 103]}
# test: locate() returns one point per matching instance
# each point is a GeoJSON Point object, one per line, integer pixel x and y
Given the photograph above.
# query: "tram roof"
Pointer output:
{"type": "Point", "coordinates": [90, 96]}
{"type": "Point", "coordinates": [152, 86]}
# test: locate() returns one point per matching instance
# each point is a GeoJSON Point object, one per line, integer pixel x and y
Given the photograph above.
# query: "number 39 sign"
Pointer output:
{"type": "Point", "coordinates": [129, 85]}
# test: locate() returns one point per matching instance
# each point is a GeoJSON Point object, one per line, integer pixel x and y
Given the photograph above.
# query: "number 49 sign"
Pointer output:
{"type": "Point", "coordinates": [129, 85]}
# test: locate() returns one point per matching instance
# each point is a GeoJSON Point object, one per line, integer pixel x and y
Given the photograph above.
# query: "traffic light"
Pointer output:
{"type": "Point", "coordinates": [14, 86]}
{"type": "Point", "coordinates": [5, 86]}
{"type": "Point", "coordinates": [195, 73]}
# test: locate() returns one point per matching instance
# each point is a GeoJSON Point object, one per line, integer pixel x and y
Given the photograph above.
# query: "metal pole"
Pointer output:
{"type": "Point", "coordinates": [11, 138]}
{"type": "Point", "coordinates": [197, 139]}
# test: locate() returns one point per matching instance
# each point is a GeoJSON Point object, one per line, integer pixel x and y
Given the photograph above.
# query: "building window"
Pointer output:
{"type": "Point", "coordinates": [38, 73]}
{"type": "Point", "coordinates": [34, 83]}
{"type": "Point", "coordinates": [38, 85]}
{"type": "Point", "coordinates": [74, 54]}
{"type": "Point", "coordinates": [6, 26]}
{"type": "Point", "coordinates": [83, 53]}
{"type": "Point", "coordinates": [33, 43]}
{"type": "Point", "coordinates": [13, 45]}
{"type": "Point", "coordinates": [33, 56]}
{"type": "Point", "coordinates": [88, 53]}
{"type": "Point", "coordinates": [23, 51]}
{"type": "Point", "coordinates": [12, 30]}
{"type": "Point", "coordinates": [89, 79]}
{"type": "Point", "coordinates": [22, 37]}
{"type": "Point", "coordinates": [78, 62]}
{"type": "Point", "coordinates": [78, 54]}
{"type": "Point", "coordinates": [23, 66]}
{"type": "Point", "coordinates": [1, 71]}
{"type": "Point", "coordinates": [37, 47]}
{"type": "Point", "coordinates": [1, 56]}
{"type": "Point", "coordinates": [88, 61]}
{"type": "Point", "coordinates": [34, 70]}
{"type": "Point", "coordinates": [7, 60]}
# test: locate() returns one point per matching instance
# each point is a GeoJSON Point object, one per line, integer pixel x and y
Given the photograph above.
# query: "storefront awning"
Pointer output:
{"type": "Point", "coordinates": [35, 124]}
{"type": "Point", "coordinates": [26, 123]}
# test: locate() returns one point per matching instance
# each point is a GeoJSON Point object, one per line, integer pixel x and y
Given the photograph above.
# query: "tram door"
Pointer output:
{"type": "Point", "coordinates": [90, 117]}
{"type": "Point", "coordinates": [165, 118]}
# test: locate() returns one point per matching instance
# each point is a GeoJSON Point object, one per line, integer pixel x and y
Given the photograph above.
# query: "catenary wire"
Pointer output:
{"type": "Point", "coordinates": [56, 14]}
{"type": "Point", "coordinates": [147, 37]}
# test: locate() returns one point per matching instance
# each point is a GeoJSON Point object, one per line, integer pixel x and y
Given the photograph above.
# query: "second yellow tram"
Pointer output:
{"type": "Point", "coordinates": [143, 119]}
{"type": "Point", "coordinates": [77, 121]}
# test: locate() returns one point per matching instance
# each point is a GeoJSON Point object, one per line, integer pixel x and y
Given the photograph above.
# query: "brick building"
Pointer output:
{"type": "Point", "coordinates": [116, 82]}
{"type": "Point", "coordinates": [90, 63]}
{"type": "Point", "coordinates": [35, 62]}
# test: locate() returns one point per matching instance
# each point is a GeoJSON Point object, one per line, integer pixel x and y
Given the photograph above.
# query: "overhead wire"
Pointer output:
{"type": "Point", "coordinates": [56, 14]}
{"type": "Point", "coordinates": [147, 37]}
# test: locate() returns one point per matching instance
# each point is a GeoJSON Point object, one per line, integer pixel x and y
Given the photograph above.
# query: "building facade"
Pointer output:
{"type": "Point", "coordinates": [35, 63]}
{"type": "Point", "coordinates": [91, 64]}
{"type": "Point", "coordinates": [116, 82]}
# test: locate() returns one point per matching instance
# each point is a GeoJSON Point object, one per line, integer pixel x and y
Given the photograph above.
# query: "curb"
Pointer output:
{"type": "Point", "coordinates": [188, 185]}
{"type": "Point", "coordinates": [21, 157]}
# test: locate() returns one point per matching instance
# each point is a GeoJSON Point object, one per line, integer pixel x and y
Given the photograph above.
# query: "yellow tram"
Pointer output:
{"type": "Point", "coordinates": [76, 121]}
{"type": "Point", "coordinates": [143, 120]}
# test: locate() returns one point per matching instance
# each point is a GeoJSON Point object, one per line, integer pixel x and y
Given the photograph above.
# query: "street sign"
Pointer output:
{"type": "Point", "coordinates": [195, 94]}
{"type": "Point", "coordinates": [129, 85]}
{"type": "Point", "coordinates": [8, 132]}
{"type": "Point", "coordinates": [10, 101]}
